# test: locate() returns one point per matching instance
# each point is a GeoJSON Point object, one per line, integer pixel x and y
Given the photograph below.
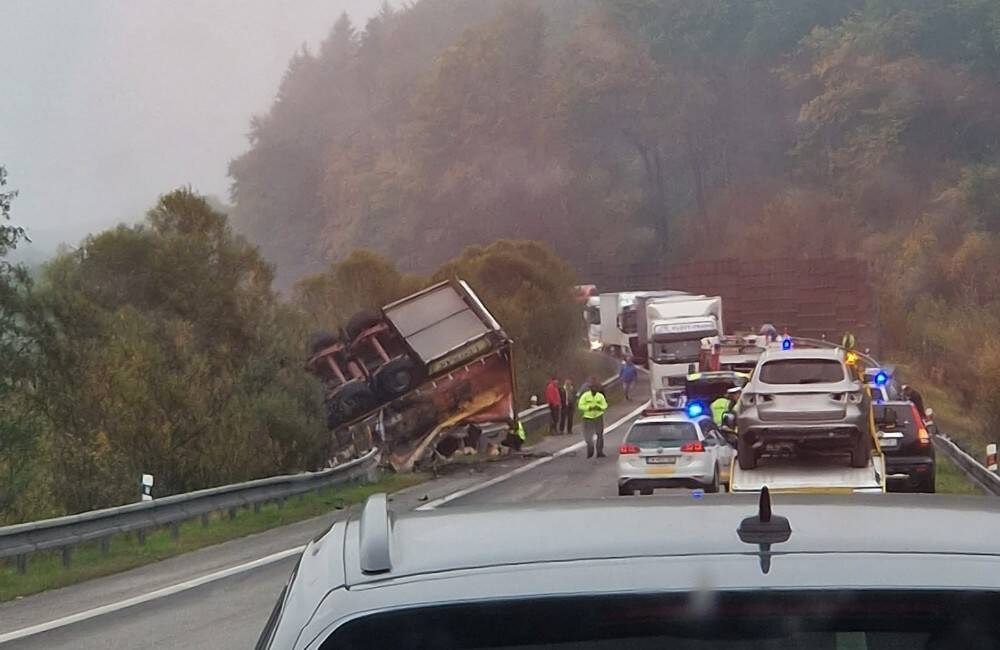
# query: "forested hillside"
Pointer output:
{"type": "Point", "coordinates": [659, 130]}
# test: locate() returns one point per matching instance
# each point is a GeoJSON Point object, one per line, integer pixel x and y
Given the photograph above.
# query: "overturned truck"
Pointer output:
{"type": "Point", "coordinates": [417, 377]}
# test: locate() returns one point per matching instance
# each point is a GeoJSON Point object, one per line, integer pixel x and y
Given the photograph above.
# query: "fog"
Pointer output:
{"type": "Point", "coordinates": [109, 103]}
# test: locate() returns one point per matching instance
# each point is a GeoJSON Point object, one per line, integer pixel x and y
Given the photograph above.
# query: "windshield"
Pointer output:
{"type": "Point", "coordinates": [677, 351]}
{"type": "Point", "coordinates": [662, 434]}
{"type": "Point", "coordinates": [802, 371]}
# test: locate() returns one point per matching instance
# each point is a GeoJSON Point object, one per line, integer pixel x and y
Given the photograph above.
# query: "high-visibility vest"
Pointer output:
{"type": "Point", "coordinates": [593, 405]}
{"type": "Point", "coordinates": [719, 408]}
{"type": "Point", "coordinates": [848, 341]}
{"type": "Point", "coordinates": [520, 431]}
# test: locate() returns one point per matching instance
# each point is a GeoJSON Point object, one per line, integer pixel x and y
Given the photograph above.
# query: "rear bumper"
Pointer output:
{"type": "Point", "coordinates": [684, 472]}
{"type": "Point", "coordinates": [801, 432]}
{"type": "Point", "coordinates": [656, 483]}
{"type": "Point", "coordinates": [908, 469]}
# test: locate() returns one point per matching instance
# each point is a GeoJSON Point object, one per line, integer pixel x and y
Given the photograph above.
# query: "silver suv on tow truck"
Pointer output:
{"type": "Point", "coordinates": [804, 400]}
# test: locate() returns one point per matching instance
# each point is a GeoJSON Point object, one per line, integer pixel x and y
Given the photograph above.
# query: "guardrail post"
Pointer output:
{"type": "Point", "coordinates": [204, 520]}
{"type": "Point", "coordinates": [175, 530]}
{"type": "Point", "coordinates": [105, 545]}
{"type": "Point", "coordinates": [22, 564]}
{"type": "Point", "coordinates": [67, 556]}
{"type": "Point", "coordinates": [141, 536]}
{"type": "Point", "coordinates": [256, 506]}
{"type": "Point", "coordinates": [991, 457]}
{"type": "Point", "coordinates": [232, 513]}
{"type": "Point", "coordinates": [281, 502]}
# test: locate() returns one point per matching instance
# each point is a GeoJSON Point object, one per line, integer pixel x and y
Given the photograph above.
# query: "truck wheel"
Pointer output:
{"type": "Point", "coordinates": [350, 401]}
{"type": "Point", "coordinates": [713, 487]}
{"type": "Point", "coordinates": [625, 491]}
{"type": "Point", "coordinates": [361, 321]}
{"type": "Point", "coordinates": [746, 456]}
{"type": "Point", "coordinates": [861, 454]}
{"type": "Point", "coordinates": [321, 340]}
{"type": "Point", "coordinates": [397, 377]}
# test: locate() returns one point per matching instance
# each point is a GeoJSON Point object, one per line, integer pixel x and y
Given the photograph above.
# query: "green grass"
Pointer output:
{"type": "Point", "coordinates": [45, 570]}
{"type": "Point", "coordinates": [952, 418]}
{"type": "Point", "coordinates": [949, 480]}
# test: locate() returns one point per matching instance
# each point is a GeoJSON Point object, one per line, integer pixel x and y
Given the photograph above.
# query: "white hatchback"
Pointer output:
{"type": "Point", "coordinates": [673, 449]}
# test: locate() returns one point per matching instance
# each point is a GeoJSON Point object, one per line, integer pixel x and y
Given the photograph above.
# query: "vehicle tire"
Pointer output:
{"type": "Point", "coordinates": [746, 456]}
{"type": "Point", "coordinates": [927, 486]}
{"type": "Point", "coordinates": [350, 401]}
{"type": "Point", "coordinates": [321, 340]}
{"type": "Point", "coordinates": [361, 321]}
{"type": "Point", "coordinates": [624, 491]}
{"type": "Point", "coordinates": [713, 487]}
{"type": "Point", "coordinates": [397, 377]}
{"type": "Point", "coordinates": [646, 492]}
{"type": "Point", "coordinates": [861, 454]}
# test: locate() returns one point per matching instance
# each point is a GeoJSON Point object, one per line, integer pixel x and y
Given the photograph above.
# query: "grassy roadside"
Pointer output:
{"type": "Point", "coordinates": [45, 570]}
{"type": "Point", "coordinates": [949, 480]}
{"type": "Point", "coordinates": [952, 418]}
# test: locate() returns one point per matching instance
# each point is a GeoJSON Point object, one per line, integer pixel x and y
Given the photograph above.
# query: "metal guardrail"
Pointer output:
{"type": "Point", "coordinates": [975, 471]}
{"type": "Point", "coordinates": [65, 532]}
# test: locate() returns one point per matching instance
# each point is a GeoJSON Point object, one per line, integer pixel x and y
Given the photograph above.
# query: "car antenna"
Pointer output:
{"type": "Point", "coordinates": [764, 529]}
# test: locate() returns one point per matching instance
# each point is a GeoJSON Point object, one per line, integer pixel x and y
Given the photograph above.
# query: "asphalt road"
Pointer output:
{"type": "Point", "coordinates": [229, 612]}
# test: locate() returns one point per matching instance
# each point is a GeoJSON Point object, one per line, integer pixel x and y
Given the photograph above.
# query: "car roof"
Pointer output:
{"type": "Point", "coordinates": [424, 543]}
{"type": "Point", "coordinates": [803, 353]}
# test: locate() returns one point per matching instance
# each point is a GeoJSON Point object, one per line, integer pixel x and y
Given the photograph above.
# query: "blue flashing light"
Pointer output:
{"type": "Point", "coordinates": [786, 344]}
{"type": "Point", "coordinates": [881, 378]}
{"type": "Point", "coordinates": [695, 409]}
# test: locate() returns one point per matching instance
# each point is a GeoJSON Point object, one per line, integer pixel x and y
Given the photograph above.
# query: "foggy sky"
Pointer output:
{"type": "Point", "coordinates": [106, 104]}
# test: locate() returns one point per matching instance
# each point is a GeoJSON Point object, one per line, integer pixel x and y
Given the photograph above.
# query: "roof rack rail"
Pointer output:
{"type": "Point", "coordinates": [375, 534]}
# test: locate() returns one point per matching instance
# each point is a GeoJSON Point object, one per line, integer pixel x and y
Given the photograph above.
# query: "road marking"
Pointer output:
{"type": "Point", "coordinates": [524, 468]}
{"type": "Point", "coordinates": [153, 595]}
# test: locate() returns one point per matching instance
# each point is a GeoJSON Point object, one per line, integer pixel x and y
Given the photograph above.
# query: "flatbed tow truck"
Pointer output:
{"type": "Point", "coordinates": [815, 473]}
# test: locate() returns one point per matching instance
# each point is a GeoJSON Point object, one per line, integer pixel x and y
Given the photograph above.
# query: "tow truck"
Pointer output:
{"type": "Point", "coordinates": [786, 471]}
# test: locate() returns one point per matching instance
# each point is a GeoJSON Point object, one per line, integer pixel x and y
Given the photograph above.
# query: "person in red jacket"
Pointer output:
{"type": "Point", "coordinates": [554, 399]}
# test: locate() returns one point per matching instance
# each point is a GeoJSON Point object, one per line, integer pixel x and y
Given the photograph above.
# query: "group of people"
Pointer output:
{"type": "Point", "coordinates": [563, 402]}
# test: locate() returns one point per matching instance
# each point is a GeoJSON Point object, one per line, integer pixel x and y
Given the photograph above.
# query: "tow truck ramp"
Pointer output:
{"type": "Point", "coordinates": [820, 475]}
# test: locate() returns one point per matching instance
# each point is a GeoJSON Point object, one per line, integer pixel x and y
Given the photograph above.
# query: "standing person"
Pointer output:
{"type": "Point", "coordinates": [568, 404]}
{"type": "Point", "coordinates": [554, 400]}
{"type": "Point", "coordinates": [593, 405]}
{"type": "Point", "coordinates": [628, 374]}
{"type": "Point", "coordinates": [911, 394]}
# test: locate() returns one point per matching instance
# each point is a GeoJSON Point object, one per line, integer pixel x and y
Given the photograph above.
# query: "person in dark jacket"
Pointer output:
{"type": "Point", "coordinates": [911, 394]}
{"type": "Point", "coordinates": [554, 400]}
{"type": "Point", "coordinates": [628, 373]}
{"type": "Point", "coordinates": [567, 394]}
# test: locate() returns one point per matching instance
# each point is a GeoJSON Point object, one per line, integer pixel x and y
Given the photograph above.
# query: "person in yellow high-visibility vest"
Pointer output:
{"type": "Point", "coordinates": [592, 405]}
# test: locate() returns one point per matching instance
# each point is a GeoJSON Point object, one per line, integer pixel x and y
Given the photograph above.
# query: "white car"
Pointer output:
{"type": "Point", "coordinates": [674, 448]}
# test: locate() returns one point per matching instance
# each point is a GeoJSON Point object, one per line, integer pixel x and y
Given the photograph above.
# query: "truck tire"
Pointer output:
{"type": "Point", "coordinates": [397, 377]}
{"type": "Point", "coordinates": [746, 455]}
{"type": "Point", "coordinates": [713, 487]}
{"type": "Point", "coordinates": [361, 321]}
{"type": "Point", "coordinates": [625, 491]}
{"type": "Point", "coordinates": [321, 340]}
{"type": "Point", "coordinates": [861, 453]}
{"type": "Point", "coordinates": [350, 401]}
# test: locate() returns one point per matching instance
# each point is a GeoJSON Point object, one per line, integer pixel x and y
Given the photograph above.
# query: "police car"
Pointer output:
{"type": "Point", "coordinates": [882, 383]}
{"type": "Point", "coordinates": [674, 448]}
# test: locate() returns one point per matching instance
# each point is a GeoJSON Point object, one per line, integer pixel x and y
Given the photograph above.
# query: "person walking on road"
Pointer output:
{"type": "Point", "coordinates": [593, 405]}
{"type": "Point", "coordinates": [628, 374]}
{"type": "Point", "coordinates": [568, 404]}
{"type": "Point", "coordinates": [554, 399]}
{"type": "Point", "coordinates": [911, 394]}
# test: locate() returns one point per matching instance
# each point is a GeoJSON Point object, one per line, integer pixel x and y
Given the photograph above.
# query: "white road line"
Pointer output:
{"type": "Point", "coordinates": [525, 468]}
{"type": "Point", "coordinates": [153, 595]}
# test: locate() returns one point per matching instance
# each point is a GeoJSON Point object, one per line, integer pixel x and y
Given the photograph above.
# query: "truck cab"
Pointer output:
{"type": "Point", "coordinates": [619, 317]}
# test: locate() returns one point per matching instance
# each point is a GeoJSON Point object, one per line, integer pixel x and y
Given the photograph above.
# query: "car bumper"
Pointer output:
{"type": "Point", "coordinates": [818, 432]}
{"type": "Point", "coordinates": [908, 470]}
{"type": "Point", "coordinates": [686, 471]}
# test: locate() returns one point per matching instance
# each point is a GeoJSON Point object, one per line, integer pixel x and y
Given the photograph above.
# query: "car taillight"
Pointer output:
{"type": "Point", "coordinates": [692, 446]}
{"type": "Point", "coordinates": [628, 449]}
{"type": "Point", "coordinates": [923, 437]}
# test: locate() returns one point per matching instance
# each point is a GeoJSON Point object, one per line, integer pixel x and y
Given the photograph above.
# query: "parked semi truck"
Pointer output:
{"type": "Point", "coordinates": [619, 320]}
{"type": "Point", "coordinates": [412, 376]}
{"type": "Point", "coordinates": [676, 331]}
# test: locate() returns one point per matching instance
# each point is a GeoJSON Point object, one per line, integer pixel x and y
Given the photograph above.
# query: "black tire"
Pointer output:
{"type": "Point", "coordinates": [625, 491]}
{"type": "Point", "coordinates": [321, 340]}
{"type": "Point", "coordinates": [646, 492]}
{"type": "Point", "coordinates": [352, 400]}
{"type": "Point", "coordinates": [861, 453]}
{"type": "Point", "coordinates": [928, 485]}
{"type": "Point", "coordinates": [397, 377]}
{"type": "Point", "coordinates": [746, 456]}
{"type": "Point", "coordinates": [713, 487]}
{"type": "Point", "coordinates": [361, 321]}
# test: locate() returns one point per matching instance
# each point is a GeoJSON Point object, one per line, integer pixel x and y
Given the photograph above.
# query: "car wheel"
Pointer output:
{"type": "Point", "coordinates": [861, 454]}
{"type": "Point", "coordinates": [361, 321]}
{"type": "Point", "coordinates": [713, 487]}
{"type": "Point", "coordinates": [927, 486]}
{"type": "Point", "coordinates": [646, 492]}
{"type": "Point", "coordinates": [624, 491]}
{"type": "Point", "coordinates": [746, 456]}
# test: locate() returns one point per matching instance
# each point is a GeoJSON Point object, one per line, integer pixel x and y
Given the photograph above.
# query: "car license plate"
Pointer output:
{"type": "Point", "coordinates": [661, 460]}
{"type": "Point", "coordinates": [887, 443]}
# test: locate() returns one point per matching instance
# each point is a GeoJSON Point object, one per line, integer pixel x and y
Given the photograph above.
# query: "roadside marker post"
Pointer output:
{"type": "Point", "coordinates": [146, 482]}
{"type": "Point", "coordinates": [991, 457]}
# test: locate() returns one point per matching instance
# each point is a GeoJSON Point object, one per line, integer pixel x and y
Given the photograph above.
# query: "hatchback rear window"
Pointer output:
{"type": "Point", "coordinates": [802, 371]}
{"type": "Point", "coordinates": [662, 434]}
{"type": "Point", "coordinates": [904, 418]}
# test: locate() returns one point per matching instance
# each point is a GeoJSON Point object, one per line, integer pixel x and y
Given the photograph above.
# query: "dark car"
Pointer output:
{"type": "Point", "coordinates": [907, 445]}
{"type": "Point", "coordinates": [831, 572]}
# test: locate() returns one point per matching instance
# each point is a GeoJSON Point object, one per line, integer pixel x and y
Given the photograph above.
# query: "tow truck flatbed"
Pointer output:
{"type": "Point", "coordinates": [820, 475]}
